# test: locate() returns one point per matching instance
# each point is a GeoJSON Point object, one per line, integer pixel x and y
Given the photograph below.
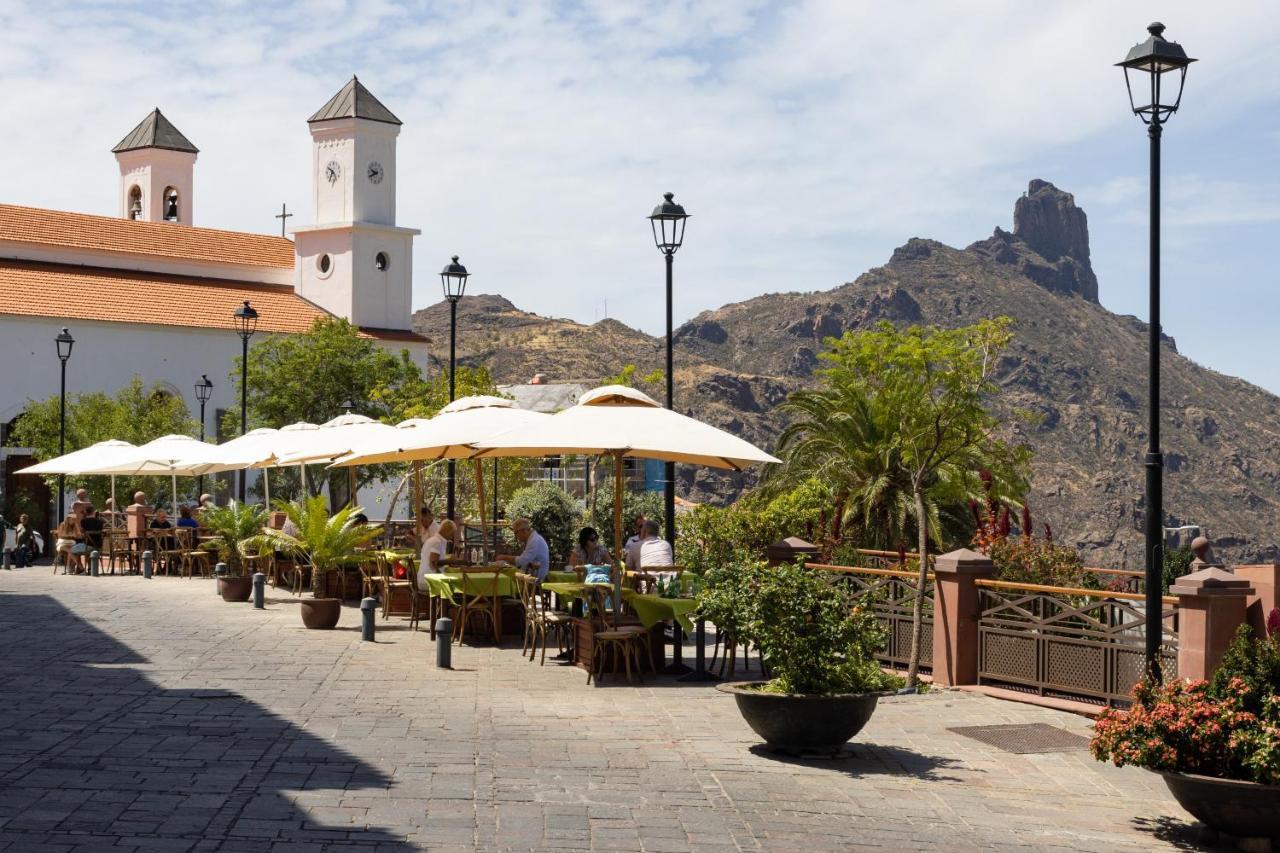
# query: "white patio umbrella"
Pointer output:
{"type": "Point", "coordinates": [449, 435]}
{"type": "Point", "coordinates": [75, 462]}
{"type": "Point", "coordinates": [170, 454]}
{"type": "Point", "coordinates": [334, 438]}
{"type": "Point", "coordinates": [243, 452]}
{"type": "Point", "coordinates": [618, 421]}
{"type": "Point", "coordinates": [285, 441]}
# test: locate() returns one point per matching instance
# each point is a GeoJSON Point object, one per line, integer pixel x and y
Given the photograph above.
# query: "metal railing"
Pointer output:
{"type": "Point", "coordinates": [1080, 643]}
{"type": "Point", "coordinates": [892, 595]}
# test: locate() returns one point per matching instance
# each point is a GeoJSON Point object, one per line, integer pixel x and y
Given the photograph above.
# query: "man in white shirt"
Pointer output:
{"type": "Point", "coordinates": [427, 524]}
{"type": "Point", "coordinates": [631, 549]}
{"type": "Point", "coordinates": [435, 552]}
{"type": "Point", "coordinates": [654, 551]}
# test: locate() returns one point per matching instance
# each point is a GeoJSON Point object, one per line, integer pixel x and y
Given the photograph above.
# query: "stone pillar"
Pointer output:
{"type": "Point", "coordinates": [1265, 580]}
{"type": "Point", "coordinates": [789, 550]}
{"type": "Point", "coordinates": [1211, 606]}
{"type": "Point", "coordinates": [955, 615]}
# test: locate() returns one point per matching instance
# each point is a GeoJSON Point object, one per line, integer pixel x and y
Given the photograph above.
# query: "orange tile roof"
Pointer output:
{"type": "Point", "coordinates": [161, 239]}
{"type": "Point", "coordinates": [35, 289]}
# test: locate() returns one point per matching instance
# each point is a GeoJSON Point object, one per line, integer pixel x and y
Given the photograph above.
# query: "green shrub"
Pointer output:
{"type": "Point", "coordinates": [553, 513]}
{"type": "Point", "coordinates": [648, 504]}
{"type": "Point", "coordinates": [713, 536]}
{"type": "Point", "coordinates": [1254, 661]}
{"type": "Point", "coordinates": [1027, 560]}
{"type": "Point", "coordinates": [1177, 562]}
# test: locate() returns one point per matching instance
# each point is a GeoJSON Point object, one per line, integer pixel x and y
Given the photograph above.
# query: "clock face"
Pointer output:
{"type": "Point", "coordinates": [375, 172]}
{"type": "Point", "coordinates": [332, 171]}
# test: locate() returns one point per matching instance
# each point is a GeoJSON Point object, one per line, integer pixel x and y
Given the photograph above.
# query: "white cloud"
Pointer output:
{"type": "Point", "coordinates": [806, 138]}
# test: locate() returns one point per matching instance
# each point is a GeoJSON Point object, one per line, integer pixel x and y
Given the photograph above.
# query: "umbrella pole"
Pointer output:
{"type": "Point", "coordinates": [174, 483]}
{"type": "Point", "coordinates": [352, 489]}
{"type": "Point", "coordinates": [417, 502]}
{"type": "Point", "coordinates": [266, 487]}
{"type": "Point", "coordinates": [480, 499]}
{"type": "Point", "coordinates": [302, 469]}
{"type": "Point", "coordinates": [115, 510]}
{"type": "Point", "coordinates": [617, 535]}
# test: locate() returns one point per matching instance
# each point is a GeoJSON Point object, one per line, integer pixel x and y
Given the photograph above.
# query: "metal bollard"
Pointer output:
{"type": "Point", "coordinates": [259, 590]}
{"type": "Point", "coordinates": [444, 643]}
{"type": "Point", "coordinates": [219, 572]}
{"type": "Point", "coordinates": [94, 561]}
{"type": "Point", "coordinates": [368, 609]}
{"type": "Point", "coordinates": [4, 560]}
{"type": "Point", "coordinates": [146, 564]}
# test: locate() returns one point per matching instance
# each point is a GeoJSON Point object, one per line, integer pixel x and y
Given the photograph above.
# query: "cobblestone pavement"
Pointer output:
{"type": "Point", "coordinates": [149, 715]}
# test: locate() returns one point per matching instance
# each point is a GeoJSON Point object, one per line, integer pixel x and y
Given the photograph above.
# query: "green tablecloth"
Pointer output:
{"type": "Point", "coordinates": [560, 577]}
{"type": "Point", "coordinates": [653, 609]}
{"type": "Point", "coordinates": [448, 584]}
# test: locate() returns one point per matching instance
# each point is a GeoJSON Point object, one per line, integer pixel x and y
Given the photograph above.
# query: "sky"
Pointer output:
{"type": "Point", "coordinates": [807, 139]}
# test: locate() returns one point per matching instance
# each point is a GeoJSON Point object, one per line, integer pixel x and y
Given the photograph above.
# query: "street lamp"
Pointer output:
{"type": "Point", "coordinates": [204, 390]}
{"type": "Point", "coordinates": [1155, 58]}
{"type": "Point", "coordinates": [667, 221]}
{"type": "Point", "coordinates": [453, 278]}
{"type": "Point", "coordinates": [246, 324]}
{"type": "Point", "coordinates": [64, 342]}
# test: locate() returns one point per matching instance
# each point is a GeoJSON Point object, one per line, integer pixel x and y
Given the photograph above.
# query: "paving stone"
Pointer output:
{"type": "Point", "coordinates": [152, 716]}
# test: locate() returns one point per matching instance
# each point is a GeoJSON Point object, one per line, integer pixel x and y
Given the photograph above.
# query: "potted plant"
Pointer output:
{"type": "Point", "coordinates": [239, 530]}
{"type": "Point", "coordinates": [325, 542]}
{"type": "Point", "coordinates": [1216, 743]}
{"type": "Point", "coordinates": [818, 645]}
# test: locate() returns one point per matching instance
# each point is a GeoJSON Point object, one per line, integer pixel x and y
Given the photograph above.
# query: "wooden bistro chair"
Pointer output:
{"type": "Point", "coordinates": [478, 601]}
{"type": "Point", "coordinates": [118, 548]}
{"type": "Point", "coordinates": [195, 558]}
{"type": "Point", "coordinates": [540, 619]}
{"type": "Point", "coordinates": [621, 642]}
{"type": "Point", "coordinates": [390, 584]}
{"type": "Point", "coordinates": [166, 548]}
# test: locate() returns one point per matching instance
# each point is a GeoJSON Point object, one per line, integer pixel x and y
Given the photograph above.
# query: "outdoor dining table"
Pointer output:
{"type": "Point", "coordinates": [652, 609]}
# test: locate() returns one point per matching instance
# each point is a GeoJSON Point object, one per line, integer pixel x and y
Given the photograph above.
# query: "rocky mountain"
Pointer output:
{"type": "Point", "coordinates": [1078, 366]}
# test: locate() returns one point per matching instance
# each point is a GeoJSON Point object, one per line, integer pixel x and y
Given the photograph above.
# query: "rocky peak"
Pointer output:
{"type": "Point", "coordinates": [1049, 243]}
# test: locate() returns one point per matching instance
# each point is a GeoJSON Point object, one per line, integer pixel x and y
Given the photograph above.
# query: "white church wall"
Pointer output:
{"type": "Point", "coordinates": [331, 287]}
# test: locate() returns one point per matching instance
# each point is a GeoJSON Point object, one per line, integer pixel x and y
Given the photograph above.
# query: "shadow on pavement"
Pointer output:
{"type": "Point", "coordinates": [1181, 834]}
{"type": "Point", "coordinates": [866, 759]}
{"type": "Point", "coordinates": [94, 754]}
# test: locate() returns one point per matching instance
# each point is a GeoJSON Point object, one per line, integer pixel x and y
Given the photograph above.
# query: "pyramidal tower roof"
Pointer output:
{"type": "Point", "coordinates": [354, 101]}
{"type": "Point", "coordinates": [155, 131]}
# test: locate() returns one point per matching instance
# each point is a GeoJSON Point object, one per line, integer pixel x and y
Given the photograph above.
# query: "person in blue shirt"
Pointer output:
{"type": "Point", "coordinates": [535, 559]}
{"type": "Point", "coordinates": [185, 519]}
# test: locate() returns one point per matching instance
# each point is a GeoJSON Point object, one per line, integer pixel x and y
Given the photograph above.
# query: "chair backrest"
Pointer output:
{"type": "Point", "coordinates": [529, 598]}
{"type": "Point", "coordinates": [477, 585]}
{"type": "Point", "coordinates": [597, 612]}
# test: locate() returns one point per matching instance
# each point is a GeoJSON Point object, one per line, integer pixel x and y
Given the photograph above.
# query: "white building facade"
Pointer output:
{"type": "Point", "coordinates": [150, 294]}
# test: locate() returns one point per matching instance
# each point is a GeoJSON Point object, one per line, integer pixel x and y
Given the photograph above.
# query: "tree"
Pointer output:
{"type": "Point", "coordinates": [137, 413]}
{"type": "Point", "coordinates": [901, 428]}
{"type": "Point", "coordinates": [309, 377]}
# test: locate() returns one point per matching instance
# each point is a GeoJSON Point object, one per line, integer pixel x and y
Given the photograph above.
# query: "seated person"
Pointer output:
{"type": "Point", "coordinates": [81, 505]}
{"type": "Point", "coordinates": [589, 551]}
{"type": "Point", "coordinates": [24, 550]}
{"type": "Point", "coordinates": [654, 551]}
{"type": "Point", "coordinates": [631, 548]}
{"type": "Point", "coordinates": [435, 552]}
{"type": "Point", "coordinates": [185, 519]}
{"type": "Point", "coordinates": [360, 520]}
{"type": "Point", "coordinates": [161, 522]}
{"type": "Point", "coordinates": [92, 525]}
{"type": "Point", "coordinates": [535, 559]}
{"type": "Point", "coordinates": [70, 542]}
{"type": "Point", "coordinates": [427, 524]}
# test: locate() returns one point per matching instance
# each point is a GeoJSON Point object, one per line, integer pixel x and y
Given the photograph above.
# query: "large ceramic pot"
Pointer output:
{"type": "Point", "coordinates": [1231, 806]}
{"type": "Point", "coordinates": [800, 723]}
{"type": "Point", "coordinates": [321, 613]}
{"type": "Point", "coordinates": [235, 588]}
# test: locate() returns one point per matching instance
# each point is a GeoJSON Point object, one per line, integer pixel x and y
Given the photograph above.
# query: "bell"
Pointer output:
{"type": "Point", "coordinates": [171, 208]}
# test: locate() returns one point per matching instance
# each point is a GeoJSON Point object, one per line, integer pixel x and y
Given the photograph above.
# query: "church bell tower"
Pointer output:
{"type": "Point", "coordinates": [156, 167]}
{"type": "Point", "coordinates": [354, 261]}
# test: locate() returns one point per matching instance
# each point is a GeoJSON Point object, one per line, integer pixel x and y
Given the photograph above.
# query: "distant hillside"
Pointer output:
{"type": "Point", "coordinates": [1077, 365]}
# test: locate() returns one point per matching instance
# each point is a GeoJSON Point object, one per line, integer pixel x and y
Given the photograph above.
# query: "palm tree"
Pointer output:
{"type": "Point", "coordinates": [327, 542]}
{"type": "Point", "coordinates": [238, 528]}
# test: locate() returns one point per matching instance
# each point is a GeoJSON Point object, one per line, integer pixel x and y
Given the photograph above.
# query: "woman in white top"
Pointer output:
{"type": "Point", "coordinates": [435, 552]}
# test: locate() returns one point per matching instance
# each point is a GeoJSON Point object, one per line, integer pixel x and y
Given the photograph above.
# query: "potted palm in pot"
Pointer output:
{"type": "Point", "coordinates": [238, 527]}
{"type": "Point", "coordinates": [817, 643]}
{"type": "Point", "coordinates": [1215, 743]}
{"type": "Point", "coordinates": [326, 543]}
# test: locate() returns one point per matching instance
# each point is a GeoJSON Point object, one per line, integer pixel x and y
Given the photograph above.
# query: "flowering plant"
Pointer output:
{"type": "Point", "coordinates": [1228, 728]}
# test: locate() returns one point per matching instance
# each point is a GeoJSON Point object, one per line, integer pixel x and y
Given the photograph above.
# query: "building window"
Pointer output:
{"type": "Point", "coordinates": [324, 264]}
{"type": "Point", "coordinates": [381, 262]}
{"type": "Point", "coordinates": [135, 202]}
{"type": "Point", "coordinates": [170, 204]}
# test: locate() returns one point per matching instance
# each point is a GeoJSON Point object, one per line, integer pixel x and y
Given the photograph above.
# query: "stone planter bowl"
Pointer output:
{"type": "Point", "coordinates": [1231, 806]}
{"type": "Point", "coordinates": [801, 724]}
{"type": "Point", "coordinates": [321, 613]}
{"type": "Point", "coordinates": [235, 588]}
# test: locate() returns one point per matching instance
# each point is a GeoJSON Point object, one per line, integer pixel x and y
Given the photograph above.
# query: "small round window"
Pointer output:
{"type": "Point", "coordinates": [324, 263]}
{"type": "Point", "coordinates": [381, 262]}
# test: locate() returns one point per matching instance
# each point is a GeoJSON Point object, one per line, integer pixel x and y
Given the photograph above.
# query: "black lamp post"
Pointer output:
{"type": "Point", "coordinates": [246, 324]}
{"type": "Point", "coordinates": [453, 278]}
{"type": "Point", "coordinates": [64, 343]}
{"type": "Point", "coordinates": [1154, 58]}
{"type": "Point", "coordinates": [667, 221]}
{"type": "Point", "coordinates": [204, 390]}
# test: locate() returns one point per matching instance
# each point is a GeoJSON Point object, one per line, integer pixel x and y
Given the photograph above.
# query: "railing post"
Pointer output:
{"type": "Point", "coordinates": [955, 615]}
{"type": "Point", "coordinates": [1211, 606]}
{"type": "Point", "coordinates": [1265, 580]}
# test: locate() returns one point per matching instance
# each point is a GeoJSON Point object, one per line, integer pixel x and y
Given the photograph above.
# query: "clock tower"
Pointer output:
{"type": "Point", "coordinates": [354, 261]}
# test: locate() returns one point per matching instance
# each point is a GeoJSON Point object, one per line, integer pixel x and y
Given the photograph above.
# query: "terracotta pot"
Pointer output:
{"type": "Point", "coordinates": [321, 613]}
{"type": "Point", "coordinates": [802, 724]}
{"type": "Point", "coordinates": [1231, 806]}
{"type": "Point", "coordinates": [238, 588]}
